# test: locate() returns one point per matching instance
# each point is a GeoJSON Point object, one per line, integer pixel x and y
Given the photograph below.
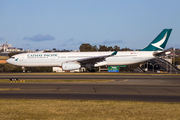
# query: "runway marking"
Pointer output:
{"type": "Point", "coordinates": [46, 89]}
{"type": "Point", "coordinates": [4, 89]}
{"type": "Point", "coordinates": [126, 79]}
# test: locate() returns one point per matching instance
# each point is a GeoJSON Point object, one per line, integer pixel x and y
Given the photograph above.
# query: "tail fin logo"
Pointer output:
{"type": "Point", "coordinates": [158, 44]}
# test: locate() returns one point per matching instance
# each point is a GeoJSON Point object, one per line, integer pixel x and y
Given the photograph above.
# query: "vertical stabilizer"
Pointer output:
{"type": "Point", "coordinates": [159, 43]}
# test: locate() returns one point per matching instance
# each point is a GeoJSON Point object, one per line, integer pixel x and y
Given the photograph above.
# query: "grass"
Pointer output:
{"type": "Point", "coordinates": [5, 89]}
{"type": "Point", "coordinates": [56, 80]}
{"type": "Point", "coordinates": [4, 57]}
{"type": "Point", "coordinates": [21, 109]}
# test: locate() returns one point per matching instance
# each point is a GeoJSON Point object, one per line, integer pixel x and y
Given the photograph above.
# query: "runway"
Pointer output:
{"type": "Point", "coordinates": [156, 88]}
{"type": "Point", "coordinates": [87, 91]}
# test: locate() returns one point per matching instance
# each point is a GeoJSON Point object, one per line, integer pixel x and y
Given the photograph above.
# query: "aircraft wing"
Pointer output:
{"type": "Point", "coordinates": [94, 60]}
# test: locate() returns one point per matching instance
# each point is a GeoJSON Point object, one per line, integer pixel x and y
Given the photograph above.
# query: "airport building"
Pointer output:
{"type": "Point", "coordinates": [7, 48]}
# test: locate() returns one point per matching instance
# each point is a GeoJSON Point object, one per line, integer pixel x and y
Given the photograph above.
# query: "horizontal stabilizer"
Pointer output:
{"type": "Point", "coordinates": [161, 53]}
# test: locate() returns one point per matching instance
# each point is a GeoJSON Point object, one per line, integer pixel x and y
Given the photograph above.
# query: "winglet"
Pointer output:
{"type": "Point", "coordinates": [114, 53]}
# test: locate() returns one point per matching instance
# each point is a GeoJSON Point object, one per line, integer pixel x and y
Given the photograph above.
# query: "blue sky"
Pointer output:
{"type": "Point", "coordinates": [66, 24]}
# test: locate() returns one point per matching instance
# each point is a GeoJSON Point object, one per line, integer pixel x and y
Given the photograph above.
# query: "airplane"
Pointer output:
{"type": "Point", "coordinates": [76, 60]}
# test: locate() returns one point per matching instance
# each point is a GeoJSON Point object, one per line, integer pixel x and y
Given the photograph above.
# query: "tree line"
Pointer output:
{"type": "Point", "coordinates": [88, 47]}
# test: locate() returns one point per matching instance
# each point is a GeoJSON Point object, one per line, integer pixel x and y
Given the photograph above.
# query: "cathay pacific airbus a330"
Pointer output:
{"type": "Point", "coordinates": [76, 60]}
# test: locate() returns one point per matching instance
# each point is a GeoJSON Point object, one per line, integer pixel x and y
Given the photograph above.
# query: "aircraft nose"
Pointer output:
{"type": "Point", "coordinates": [9, 61]}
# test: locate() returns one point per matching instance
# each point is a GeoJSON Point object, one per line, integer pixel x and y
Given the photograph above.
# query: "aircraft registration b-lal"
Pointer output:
{"type": "Point", "coordinates": [76, 60]}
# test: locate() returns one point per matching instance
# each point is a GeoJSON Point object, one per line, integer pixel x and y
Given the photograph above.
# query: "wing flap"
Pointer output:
{"type": "Point", "coordinates": [95, 59]}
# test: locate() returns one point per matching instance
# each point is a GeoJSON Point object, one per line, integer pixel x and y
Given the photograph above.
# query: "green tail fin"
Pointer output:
{"type": "Point", "coordinates": [159, 43]}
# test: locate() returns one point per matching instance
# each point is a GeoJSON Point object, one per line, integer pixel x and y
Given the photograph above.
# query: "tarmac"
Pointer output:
{"type": "Point", "coordinates": [116, 77]}
{"type": "Point", "coordinates": [153, 88]}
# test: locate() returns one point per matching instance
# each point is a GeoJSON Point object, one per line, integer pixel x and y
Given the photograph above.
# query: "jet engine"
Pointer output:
{"type": "Point", "coordinates": [70, 66]}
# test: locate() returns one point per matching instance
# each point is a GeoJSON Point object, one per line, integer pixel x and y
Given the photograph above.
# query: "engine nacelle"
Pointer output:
{"type": "Point", "coordinates": [70, 66]}
{"type": "Point", "coordinates": [100, 64]}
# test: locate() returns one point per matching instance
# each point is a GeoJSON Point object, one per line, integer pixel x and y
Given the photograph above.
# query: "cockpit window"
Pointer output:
{"type": "Point", "coordinates": [13, 57]}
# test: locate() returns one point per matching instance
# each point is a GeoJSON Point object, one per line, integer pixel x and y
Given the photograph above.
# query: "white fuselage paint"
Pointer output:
{"type": "Point", "coordinates": [55, 59]}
